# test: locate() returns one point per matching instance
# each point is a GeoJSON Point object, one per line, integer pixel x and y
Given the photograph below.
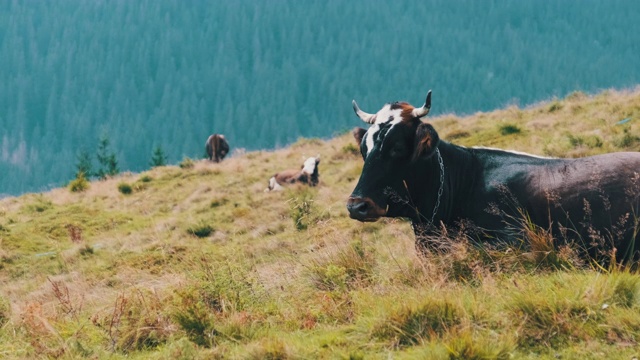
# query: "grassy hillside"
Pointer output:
{"type": "Point", "coordinates": [199, 262]}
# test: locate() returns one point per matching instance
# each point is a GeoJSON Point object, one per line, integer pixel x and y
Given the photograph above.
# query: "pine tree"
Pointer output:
{"type": "Point", "coordinates": [158, 158]}
{"type": "Point", "coordinates": [106, 159]}
{"type": "Point", "coordinates": [112, 165]}
{"type": "Point", "coordinates": [84, 165]}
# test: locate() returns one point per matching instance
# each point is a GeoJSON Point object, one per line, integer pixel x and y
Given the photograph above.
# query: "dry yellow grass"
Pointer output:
{"type": "Point", "coordinates": [262, 287]}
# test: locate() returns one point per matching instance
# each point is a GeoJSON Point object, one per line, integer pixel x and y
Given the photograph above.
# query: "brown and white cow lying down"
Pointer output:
{"type": "Point", "coordinates": [216, 147]}
{"type": "Point", "coordinates": [308, 174]}
{"type": "Point", "coordinates": [591, 203]}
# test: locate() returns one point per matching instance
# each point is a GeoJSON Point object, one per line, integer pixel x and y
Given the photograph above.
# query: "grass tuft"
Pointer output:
{"type": "Point", "coordinates": [543, 251]}
{"type": "Point", "coordinates": [590, 141]}
{"type": "Point", "coordinates": [627, 139]}
{"type": "Point", "coordinates": [195, 316]}
{"type": "Point", "coordinates": [86, 250]}
{"type": "Point", "coordinates": [125, 188]}
{"type": "Point", "coordinates": [270, 349]}
{"type": "Point", "coordinates": [218, 202]}
{"type": "Point", "coordinates": [509, 129]}
{"type": "Point", "coordinates": [79, 184]}
{"type": "Point", "coordinates": [349, 267]}
{"type": "Point", "coordinates": [554, 318]}
{"type": "Point", "coordinates": [414, 325]}
{"type": "Point", "coordinates": [136, 322]}
{"type": "Point", "coordinates": [555, 106]}
{"type": "Point", "coordinates": [626, 289]}
{"type": "Point", "coordinates": [187, 163]}
{"type": "Point", "coordinates": [201, 229]}
{"type": "Point", "coordinates": [302, 208]}
{"type": "Point", "coordinates": [464, 347]}
{"type": "Point", "coordinates": [350, 149]}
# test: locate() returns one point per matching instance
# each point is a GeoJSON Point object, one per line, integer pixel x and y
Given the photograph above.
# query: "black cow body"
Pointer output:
{"type": "Point", "coordinates": [409, 172]}
{"type": "Point", "coordinates": [216, 147]}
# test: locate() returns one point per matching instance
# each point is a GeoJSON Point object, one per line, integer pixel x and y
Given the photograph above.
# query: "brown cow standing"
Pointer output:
{"type": "Point", "coordinates": [308, 174]}
{"type": "Point", "coordinates": [217, 147]}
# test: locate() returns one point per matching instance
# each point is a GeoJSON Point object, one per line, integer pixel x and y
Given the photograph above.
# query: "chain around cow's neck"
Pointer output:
{"type": "Point", "coordinates": [435, 208]}
{"type": "Point", "coordinates": [440, 190]}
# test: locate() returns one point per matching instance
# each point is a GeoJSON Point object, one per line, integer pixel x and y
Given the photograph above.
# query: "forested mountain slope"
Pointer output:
{"type": "Point", "coordinates": [168, 73]}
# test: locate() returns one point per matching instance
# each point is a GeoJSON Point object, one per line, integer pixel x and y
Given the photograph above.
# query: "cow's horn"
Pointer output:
{"type": "Point", "coordinates": [366, 117]}
{"type": "Point", "coordinates": [424, 110]}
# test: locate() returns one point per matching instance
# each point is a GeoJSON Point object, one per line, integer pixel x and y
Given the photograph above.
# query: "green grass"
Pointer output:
{"type": "Point", "coordinates": [198, 262]}
{"type": "Point", "coordinates": [201, 230]}
{"type": "Point", "coordinates": [508, 129]}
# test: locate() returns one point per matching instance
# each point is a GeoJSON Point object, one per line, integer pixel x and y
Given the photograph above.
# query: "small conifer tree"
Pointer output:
{"type": "Point", "coordinates": [106, 159]}
{"type": "Point", "coordinates": [79, 184]}
{"type": "Point", "coordinates": [158, 158]}
{"type": "Point", "coordinates": [84, 165]}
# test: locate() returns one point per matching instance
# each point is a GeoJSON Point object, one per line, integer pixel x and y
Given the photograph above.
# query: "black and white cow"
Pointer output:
{"type": "Point", "coordinates": [308, 174]}
{"type": "Point", "coordinates": [216, 147]}
{"type": "Point", "coordinates": [410, 172]}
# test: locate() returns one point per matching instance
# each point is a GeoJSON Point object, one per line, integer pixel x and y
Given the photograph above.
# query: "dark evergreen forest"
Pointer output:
{"type": "Point", "coordinates": [150, 74]}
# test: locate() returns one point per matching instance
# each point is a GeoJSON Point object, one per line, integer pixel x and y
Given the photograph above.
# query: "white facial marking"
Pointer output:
{"type": "Point", "coordinates": [382, 117]}
{"type": "Point", "coordinates": [369, 139]}
{"type": "Point", "coordinates": [309, 165]}
{"type": "Point", "coordinates": [386, 113]}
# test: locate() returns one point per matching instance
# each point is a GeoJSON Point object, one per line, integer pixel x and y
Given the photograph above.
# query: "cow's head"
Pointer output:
{"type": "Point", "coordinates": [310, 165]}
{"type": "Point", "coordinates": [396, 139]}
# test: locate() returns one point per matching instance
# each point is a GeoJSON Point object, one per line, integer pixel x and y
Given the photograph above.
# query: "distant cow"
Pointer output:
{"type": "Point", "coordinates": [591, 202]}
{"type": "Point", "coordinates": [308, 174]}
{"type": "Point", "coordinates": [217, 147]}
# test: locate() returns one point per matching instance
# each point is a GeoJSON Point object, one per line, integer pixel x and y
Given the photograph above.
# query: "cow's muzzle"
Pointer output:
{"type": "Point", "coordinates": [364, 209]}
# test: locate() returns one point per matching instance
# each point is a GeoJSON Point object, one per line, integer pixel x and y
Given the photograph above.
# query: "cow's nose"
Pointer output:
{"type": "Point", "coordinates": [358, 208]}
{"type": "Point", "coordinates": [363, 209]}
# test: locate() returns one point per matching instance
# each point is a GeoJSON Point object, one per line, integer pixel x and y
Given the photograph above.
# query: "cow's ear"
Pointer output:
{"type": "Point", "coordinates": [358, 134]}
{"type": "Point", "coordinates": [427, 140]}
